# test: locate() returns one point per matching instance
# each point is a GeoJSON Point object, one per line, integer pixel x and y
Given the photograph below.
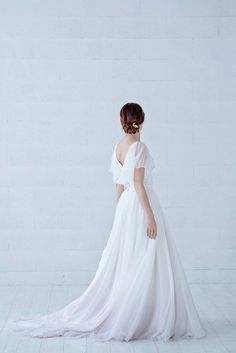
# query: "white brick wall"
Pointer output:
{"type": "Point", "coordinates": [66, 68]}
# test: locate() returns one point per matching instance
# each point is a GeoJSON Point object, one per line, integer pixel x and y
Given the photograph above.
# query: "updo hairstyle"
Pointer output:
{"type": "Point", "coordinates": [131, 116]}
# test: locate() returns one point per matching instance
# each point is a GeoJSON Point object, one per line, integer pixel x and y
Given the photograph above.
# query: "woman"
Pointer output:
{"type": "Point", "coordinates": [139, 290]}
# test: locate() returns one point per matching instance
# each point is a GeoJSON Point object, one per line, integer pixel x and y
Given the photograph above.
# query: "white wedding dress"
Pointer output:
{"type": "Point", "coordinates": [139, 290]}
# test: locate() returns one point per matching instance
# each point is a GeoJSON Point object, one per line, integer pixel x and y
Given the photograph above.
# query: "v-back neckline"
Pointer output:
{"type": "Point", "coordinates": [122, 165]}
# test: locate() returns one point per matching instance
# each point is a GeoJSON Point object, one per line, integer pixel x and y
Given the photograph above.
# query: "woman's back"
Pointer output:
{"type": "Point", "coordinates": [136, 155]}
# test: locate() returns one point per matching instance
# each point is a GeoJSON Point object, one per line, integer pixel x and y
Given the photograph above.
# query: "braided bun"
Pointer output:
{"type": "Point", "coordinates": [131, 127]}
{"type": "Point", "coordinates": [131, 116]}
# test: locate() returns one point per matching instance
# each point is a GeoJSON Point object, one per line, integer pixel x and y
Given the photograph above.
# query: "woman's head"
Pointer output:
{"type": "Point", "coordinates": [131, 118]}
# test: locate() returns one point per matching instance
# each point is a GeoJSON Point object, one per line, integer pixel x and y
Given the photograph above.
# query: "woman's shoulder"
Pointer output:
{"type": "Point", "coordinates": [141, 146]}
{"type": "Point", "coordinates": [122, 144]}
{"type": "Point", "coordinates": [142, 143]}
{"type": "Point", "coordinates": [136, 146]}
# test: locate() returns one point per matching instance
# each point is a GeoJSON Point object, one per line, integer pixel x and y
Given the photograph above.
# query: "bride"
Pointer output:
{"type": "Point", "coordinates": [139, 290]}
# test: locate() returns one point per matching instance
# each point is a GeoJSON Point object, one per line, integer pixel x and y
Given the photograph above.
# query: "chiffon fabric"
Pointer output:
{"type": "Point", "coordinates": [139, 290]}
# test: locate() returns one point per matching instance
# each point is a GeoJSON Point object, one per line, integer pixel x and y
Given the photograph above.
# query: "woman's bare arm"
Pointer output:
{"type": "Point", "coordinates": [144, 200]}
{"type": "Point", "coordinates": [119, 190]}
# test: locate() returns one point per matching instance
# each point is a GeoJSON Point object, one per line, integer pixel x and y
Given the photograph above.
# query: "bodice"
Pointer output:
{"type": "Point", "coordinates": [138, 155]}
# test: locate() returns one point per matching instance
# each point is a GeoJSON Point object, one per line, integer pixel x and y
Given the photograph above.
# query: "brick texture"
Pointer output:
{"type": "Point", "coordinates": [66, 68]}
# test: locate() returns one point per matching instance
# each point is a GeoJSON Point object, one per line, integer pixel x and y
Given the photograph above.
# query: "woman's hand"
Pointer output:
{"type": "Point", "coordinates": [152, 227]}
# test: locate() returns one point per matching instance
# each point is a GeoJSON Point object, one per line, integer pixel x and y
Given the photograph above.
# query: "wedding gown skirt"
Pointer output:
{"type": "Point", "coordinates": [139, 290]}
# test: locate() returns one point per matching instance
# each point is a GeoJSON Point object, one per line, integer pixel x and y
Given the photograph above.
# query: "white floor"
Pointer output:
{"type": "Point", "coordinates": [216, 304]}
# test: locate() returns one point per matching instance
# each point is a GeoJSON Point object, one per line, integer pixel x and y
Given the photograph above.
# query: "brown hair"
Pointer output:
{"type": "Point", "coordinates": [131, 116]}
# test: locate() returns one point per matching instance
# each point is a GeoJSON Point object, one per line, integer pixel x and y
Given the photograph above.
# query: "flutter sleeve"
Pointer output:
{"type": "Point", "coordinates": [142, 157]}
